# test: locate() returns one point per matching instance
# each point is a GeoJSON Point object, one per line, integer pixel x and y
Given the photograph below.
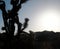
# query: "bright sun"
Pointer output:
{"type": "Point", "coordinates": [49, 20]}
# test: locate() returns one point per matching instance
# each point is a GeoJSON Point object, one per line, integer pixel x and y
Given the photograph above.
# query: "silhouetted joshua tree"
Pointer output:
{"type": "Point", "coordinates": [14, 12]}
{"type": "Point", "coordinates": [11, 15]}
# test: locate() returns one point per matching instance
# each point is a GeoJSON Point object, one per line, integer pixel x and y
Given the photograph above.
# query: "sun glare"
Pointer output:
{"type": "Point", "coordinates": [49, 20]}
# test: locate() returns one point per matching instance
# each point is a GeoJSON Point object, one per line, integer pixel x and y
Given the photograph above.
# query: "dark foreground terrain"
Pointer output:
{"type": "Point", "coordinates": [32, 40]}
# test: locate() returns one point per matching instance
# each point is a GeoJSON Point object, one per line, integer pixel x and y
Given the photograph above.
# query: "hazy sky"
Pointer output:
{"type": "Point", "coordinates": [43, 14]}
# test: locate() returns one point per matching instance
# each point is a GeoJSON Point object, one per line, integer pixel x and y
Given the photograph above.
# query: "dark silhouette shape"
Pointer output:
{"type": "Point", "coordinates": [4, 13]}
{"type": "Point", "coordinates": [13, 13]}
{"type": "Point", "coordinates": [23, 1]}
{"type": "Point", "coordinates": [25, 23]}
{"type": "Point", "coordinates": [11, 27]}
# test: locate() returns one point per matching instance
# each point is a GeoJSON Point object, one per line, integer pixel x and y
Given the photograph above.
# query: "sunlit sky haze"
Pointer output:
{"type": "Point", "coordinates": [43, 14]}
